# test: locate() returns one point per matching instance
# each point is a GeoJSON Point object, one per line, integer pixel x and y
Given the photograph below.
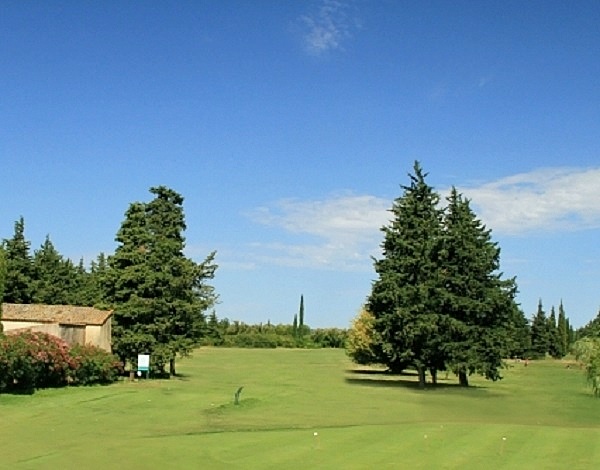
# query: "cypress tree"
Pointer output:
{"type": "Point", "coordinates": [563, 332]}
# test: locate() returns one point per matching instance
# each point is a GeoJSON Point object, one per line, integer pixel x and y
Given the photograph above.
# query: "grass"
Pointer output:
{"type": "Point", "coordinates": [306, 409]}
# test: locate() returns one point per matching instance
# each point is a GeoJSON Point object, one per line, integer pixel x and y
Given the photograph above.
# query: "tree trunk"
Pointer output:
{"type": "Point", "coordinates": [421, 371]}
{"type": "Point", "coordinates": [463, 379]}
{"type": "Point", "coordinates": [172, 367]}
{"type": "Point", "coordinates": [433, 373]}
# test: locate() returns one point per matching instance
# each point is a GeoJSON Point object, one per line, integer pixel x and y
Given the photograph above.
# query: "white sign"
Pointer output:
{"type": "Point", "coordinates": [144, 362]}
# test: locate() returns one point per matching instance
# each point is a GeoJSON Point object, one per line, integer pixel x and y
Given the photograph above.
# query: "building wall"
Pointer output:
{"type": "Point", "coordinates": [99, 335]}
{"type": "Point", "coordinates": [50, 328]}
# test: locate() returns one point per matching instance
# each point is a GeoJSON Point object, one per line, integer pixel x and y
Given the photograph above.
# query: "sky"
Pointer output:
{"type": "Point", "coordinates": [289, 127]}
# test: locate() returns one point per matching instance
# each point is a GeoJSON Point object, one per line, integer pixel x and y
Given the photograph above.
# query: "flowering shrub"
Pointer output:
{"type": "Point", "coordinates": [31, 360]}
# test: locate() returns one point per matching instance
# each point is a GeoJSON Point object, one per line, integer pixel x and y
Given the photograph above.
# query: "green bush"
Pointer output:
{"type": "Point", "coordinates": [94, 365]}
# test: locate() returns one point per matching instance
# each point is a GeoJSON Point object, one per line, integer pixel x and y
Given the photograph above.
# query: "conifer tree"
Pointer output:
{"type": "Point", "coordinates": [159, 295]}
{"type": "Point", "coordinates": [539, 333]}
{"type": "Point", "coordinates": [18, 286]}
{"type": "Point", "coordinates": [405, 298]}
{"type": "Point", "coordinates": [563, 331]}
{"type": "Point", "coordinates": [480, 305]}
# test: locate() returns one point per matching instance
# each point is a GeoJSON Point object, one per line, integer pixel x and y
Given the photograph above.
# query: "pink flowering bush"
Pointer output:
{"type": "Point", "coordinates": [31, 360]}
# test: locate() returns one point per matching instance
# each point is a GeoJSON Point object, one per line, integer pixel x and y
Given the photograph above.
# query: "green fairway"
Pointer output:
{"type": "Point", "coordinates": [306, 409]}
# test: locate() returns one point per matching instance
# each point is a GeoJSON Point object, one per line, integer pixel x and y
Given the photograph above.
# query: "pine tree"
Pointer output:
{"type": "Point", "coordinates": [479, 304]}
{"type": "Point", "coordinates": [159, 295]}
{"type": "Point", "coordinates": [18, 286]}
{"type": "Point", "coordinates": [55, 278]}
{"type": "Point", "coordinates": [539, 333]}
{"type": "Point", "coordinates": [554, 341]}
{"type": "Point", "coordinates": [405, 298]}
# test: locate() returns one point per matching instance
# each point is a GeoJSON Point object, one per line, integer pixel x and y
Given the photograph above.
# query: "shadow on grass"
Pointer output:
{"type": "Point", "coordinates": [406, 373]}
{"type": "Point", "coordinates": [408, 382]}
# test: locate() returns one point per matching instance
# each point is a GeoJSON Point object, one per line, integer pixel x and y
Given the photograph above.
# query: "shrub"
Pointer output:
{"type": "Point", "coordinates": [94, 365]}
{"type": "Point", "coordinates": [31, 360]}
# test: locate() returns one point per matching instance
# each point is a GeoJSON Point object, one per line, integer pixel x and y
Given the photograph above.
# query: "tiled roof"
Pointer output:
{"type": "Point", "coordinates": [65, 314]}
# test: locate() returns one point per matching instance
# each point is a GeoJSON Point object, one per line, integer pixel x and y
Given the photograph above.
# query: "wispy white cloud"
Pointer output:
{"type": "Point", "coordinates": [326, 28]}
{"type": "Point", "coordinates": [553, 199]}
{"type": "Point", "coordinates": [345, 227]}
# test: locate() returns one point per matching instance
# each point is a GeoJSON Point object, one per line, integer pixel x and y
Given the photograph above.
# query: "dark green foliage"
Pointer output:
{"type": "Point", "coordinates": [18, 284]}
{"type": "Point", "coordinates": [591, 329]}
{"type": "Point", "coordinates": [2, 281]}
{"type": "Point", "coordinates": [301, 313]}
{"type": "Point", "coordinates": [439, 301]}
{"type": "Point", "coordinates": [158, 294]}
{"type": "Point", "coordinates": [562, 331]}
{"type": "Point", "coordinates": [405, 298]}
{"type": "Point", "coordinates": [540, 338]}
{"type": "Point", "coordinates": [94, 366]}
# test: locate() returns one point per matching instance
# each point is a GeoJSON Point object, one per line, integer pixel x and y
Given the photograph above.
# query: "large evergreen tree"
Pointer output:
{"type": "Point", "coordinates": [159, 295]}
{"type": "Point", "coordinates": [479, 304]}
{"type": "Point", "coordinates": [18, 285]}
{"type": "Point", "coordinates": [405, 298]}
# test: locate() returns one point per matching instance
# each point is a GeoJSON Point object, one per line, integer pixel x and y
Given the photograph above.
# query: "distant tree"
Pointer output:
{"type": "Point", "coordinates": [158, 294]}
{"type": "Point", "coordinates": [405, 298]}
{"type": "Point", "coordinates": [2, 281]}
{"type": "Point", "coordinates": [55, 279]}
{"type": "Point", "coordinates": [540, 339]}
{"type": "Point", "coordinates": [301, 313]}
{"type": "Point", "coordinates": [563, 331]}
{"type": "Point", "coordinates": [591, 329]}
{"type": "Point", "coordinates": [587, 351]}
{"type": "Point", "coordinates": [18, 287]}
{"type": "Point", "coordinates": [479, 304]}
{"type": "Point", "coordinates": [295, 326]}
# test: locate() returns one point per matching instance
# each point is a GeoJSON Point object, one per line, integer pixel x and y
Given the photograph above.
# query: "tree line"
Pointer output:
{"type": "Point", "coordinates": [440, 301]}
{"type": "Point", "coordinates": [163, 301]}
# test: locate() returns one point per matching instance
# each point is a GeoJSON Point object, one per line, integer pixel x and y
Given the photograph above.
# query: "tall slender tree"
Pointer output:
{"type": "Point", "coordinates": [405, 297]}
{"type": "Point", "coordinates": [2, 280]}
{"type": "Point", "coordinates": [563, 330]}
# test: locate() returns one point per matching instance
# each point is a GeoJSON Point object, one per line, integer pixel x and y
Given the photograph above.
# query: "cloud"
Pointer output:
{"type": "Point", "coordinates": [342, 232]}
{"type": "Point", "coordinates": [552, 199]}
{"type": "Point", "coordinates": [345, 227]}
{"type": "Point", "coordinates": [328, 27]}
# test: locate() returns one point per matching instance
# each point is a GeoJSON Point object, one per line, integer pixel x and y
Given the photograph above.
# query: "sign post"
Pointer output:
{"type": "Point", "coordinates": [144, 364]}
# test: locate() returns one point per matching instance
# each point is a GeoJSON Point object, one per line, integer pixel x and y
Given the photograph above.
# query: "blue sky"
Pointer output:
{"type": "Point", "coordinates": [289, 127]}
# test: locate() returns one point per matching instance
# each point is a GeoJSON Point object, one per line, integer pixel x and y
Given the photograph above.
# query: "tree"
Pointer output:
{"type": "Point", "coordinates": [587, 351]}
{"type": "Point", "coordinates": [362, 345]}
{"type": "Point", "coordinates": [405, 298]}
{"type": "Point", "coordinates": [55, 279]}
{"type": "Point", "coordinates": [2, 280]}
{"type": "Point", "coordinates": [18, 286]}
{"type": "Point", "coordinates": [563, 331]}
{"type": "Point", "coordinates": [158, 294]}
{"type": "Point", "coordinates": [540, 339]}
{"type": "Point", "coordinates": [479, 303]}
{"type": "Point", "coordinates": [555, 348]}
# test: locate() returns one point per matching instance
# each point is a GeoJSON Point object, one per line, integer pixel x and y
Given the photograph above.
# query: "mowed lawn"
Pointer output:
{"type": "Point", "coordinates": [304, 409]}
